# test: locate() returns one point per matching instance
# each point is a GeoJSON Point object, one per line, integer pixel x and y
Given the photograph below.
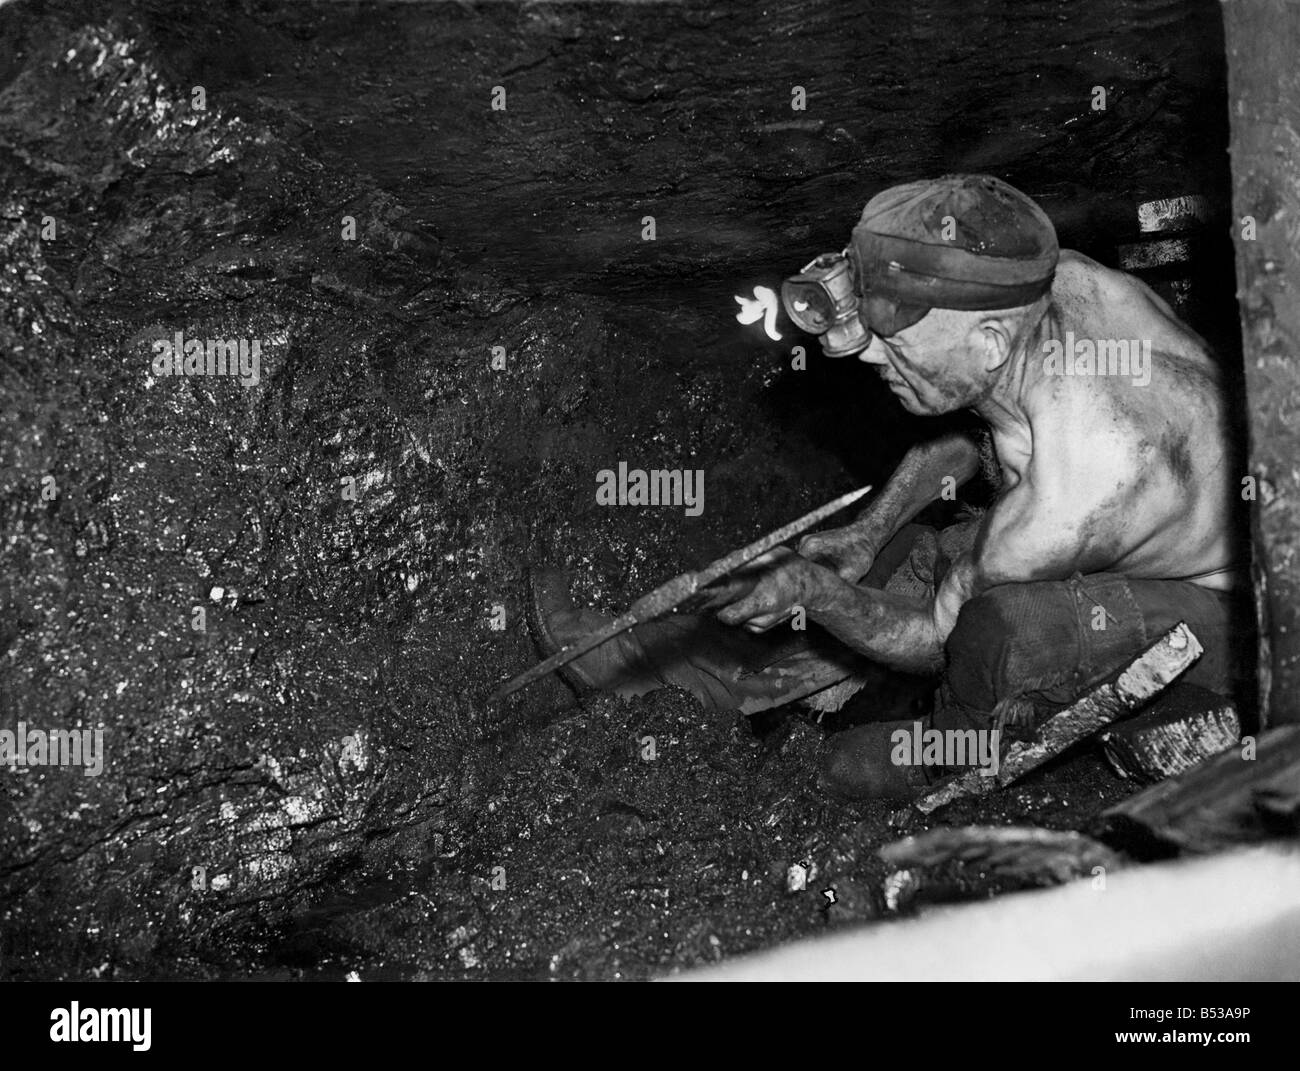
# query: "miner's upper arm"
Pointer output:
{"type": "Point", "coordinates": [1018, 541]}
{"type": "Point", "coordinates": [1077, 517]}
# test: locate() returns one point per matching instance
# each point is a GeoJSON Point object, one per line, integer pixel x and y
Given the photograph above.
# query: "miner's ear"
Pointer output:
{"type": "Point", "coordinates": [996, 336]}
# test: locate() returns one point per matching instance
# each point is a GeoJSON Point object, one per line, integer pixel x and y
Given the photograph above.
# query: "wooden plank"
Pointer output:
{"type": "Point", "coordinates": [1225, 800]}
{"type": "Point", "coordinates": [1185, 726]}
{"type": "Point", "coordinates": [1025, 854]}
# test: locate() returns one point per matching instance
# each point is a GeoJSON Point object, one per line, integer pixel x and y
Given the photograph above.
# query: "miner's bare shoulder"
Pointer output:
{"type": "Point", "coordinates": [1130, 388]}
{"type": "Point", "coordinates": [1108, 304]}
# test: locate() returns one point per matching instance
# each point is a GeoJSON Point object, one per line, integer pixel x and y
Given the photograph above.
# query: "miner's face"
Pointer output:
{"type": "Point", "coordinates": [936, 365]}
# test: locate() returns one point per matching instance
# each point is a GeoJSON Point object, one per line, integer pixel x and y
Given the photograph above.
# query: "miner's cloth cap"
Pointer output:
{"type": "Point", "coordinates": [1000, 250]}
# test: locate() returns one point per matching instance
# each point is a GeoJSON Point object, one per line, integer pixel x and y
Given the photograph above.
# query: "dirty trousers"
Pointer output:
{"type": "Point", "coordinates": [1018, 651]}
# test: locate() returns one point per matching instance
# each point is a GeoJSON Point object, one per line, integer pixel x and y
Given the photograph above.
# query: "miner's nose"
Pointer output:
{"type": "Point", "coordinates": [875, 353]}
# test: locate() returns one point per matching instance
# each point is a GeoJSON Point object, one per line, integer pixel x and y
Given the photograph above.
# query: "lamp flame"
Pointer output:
{"type": "Point", "coordinates": [762, 306]}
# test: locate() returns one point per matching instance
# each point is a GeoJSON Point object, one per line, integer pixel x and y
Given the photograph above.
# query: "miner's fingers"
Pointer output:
{"type": "Point", "coordinates": [739, 584]}
{"type": "Point", "coordinates": [768, 621]}
{"type": "Point", "coordinates": [720, 594]}
{"type": "Point", "coordinates": [765, 601]}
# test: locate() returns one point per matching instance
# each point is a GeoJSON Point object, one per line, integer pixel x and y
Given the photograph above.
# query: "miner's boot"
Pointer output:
{"type": "Point", "coordinates": [618, 666]}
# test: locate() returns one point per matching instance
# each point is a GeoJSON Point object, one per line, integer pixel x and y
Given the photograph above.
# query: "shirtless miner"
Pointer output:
{"type": "Point", "coordinates": [1116, 515]}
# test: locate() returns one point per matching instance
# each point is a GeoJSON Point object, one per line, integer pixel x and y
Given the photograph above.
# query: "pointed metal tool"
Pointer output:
{"type": "Point", "coordinates": [667, 597]}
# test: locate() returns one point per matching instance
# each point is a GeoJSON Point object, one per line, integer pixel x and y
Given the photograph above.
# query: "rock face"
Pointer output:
{"type": "Point", "coordinates": [282, 595]}
{"type": "Point", "coordinates": [180, 567]}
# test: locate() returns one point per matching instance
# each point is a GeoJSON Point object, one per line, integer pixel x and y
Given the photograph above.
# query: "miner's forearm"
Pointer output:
{"type": "Point", "coordinates": [918, 481]}
{"type": "Point", "coordinates": [892, 629]}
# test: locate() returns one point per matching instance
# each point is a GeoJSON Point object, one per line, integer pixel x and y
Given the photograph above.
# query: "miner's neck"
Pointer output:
{"type": "Point", "coordinates": [1004, 406]}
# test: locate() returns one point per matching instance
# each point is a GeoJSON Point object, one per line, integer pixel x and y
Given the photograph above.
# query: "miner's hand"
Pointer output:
{"type": "Point", "coordinates": [849, 551]}
{"type": "Point", "coordinates": [785, 580]}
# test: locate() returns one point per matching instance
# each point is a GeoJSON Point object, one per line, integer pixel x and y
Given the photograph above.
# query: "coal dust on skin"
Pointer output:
{"type": "Point", "coordinates": [310, 784]}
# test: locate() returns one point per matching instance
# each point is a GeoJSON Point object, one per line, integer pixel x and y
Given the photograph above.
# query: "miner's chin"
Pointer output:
{"type": "Point", "coordinates": [930, 406]}
{"type": "Point", "coordinates": [914, 405]}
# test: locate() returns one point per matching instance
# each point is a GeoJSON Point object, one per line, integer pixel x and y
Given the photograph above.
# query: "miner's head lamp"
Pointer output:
{"type": "Point", "coordinates": [827, 298]}
{"type": "Point", "coordinates": [823, 300]}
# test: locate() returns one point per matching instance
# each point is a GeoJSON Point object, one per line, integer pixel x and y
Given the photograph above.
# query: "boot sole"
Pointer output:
{"type": "Point", "coordinates": [540, 592]}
